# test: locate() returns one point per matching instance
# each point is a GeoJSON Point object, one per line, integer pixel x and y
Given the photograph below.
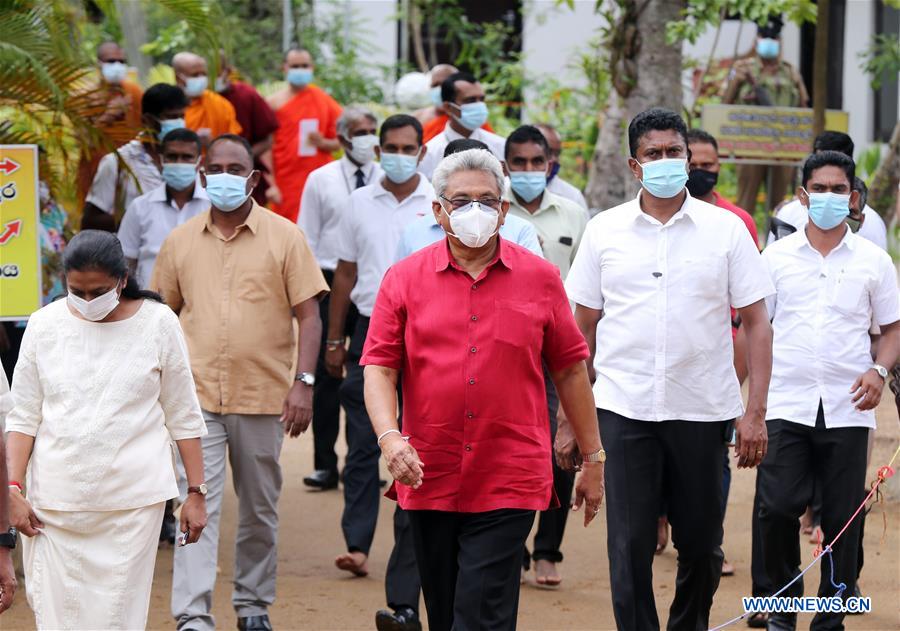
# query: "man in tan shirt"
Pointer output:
{"type": "Point", "coordinates": [237, 275]}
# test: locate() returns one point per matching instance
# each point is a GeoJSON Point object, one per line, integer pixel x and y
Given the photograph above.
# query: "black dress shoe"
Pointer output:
{"type": "Point", "coordinates": [254, 623]}
{"type": "Point", "coordinates": [322, 479]}
{"type": "Point", "coordinates": [781, 622]}
{"type": "Point", "coordinates": [856, 594]}
{"type": "Point", "coordinates": [403, 619]}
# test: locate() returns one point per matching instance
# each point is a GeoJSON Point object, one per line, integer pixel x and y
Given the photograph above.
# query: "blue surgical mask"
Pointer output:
{"type": "Point", "coordinates": [768, 48]}
{"type": "Point", "coordinates": [299, 77]}
{"type": "Point", "coordinates": [179, 175]}
{"type": "Point", "coordinates": [227, 192]}
{"type": "Point", "coordinates": [195, 86]}
{"type": "Point", "coordinates": [664, 178]}
{"type": "Point", "coordinates": [528, 185]}
{"type": "Point", "coordinates": [170, 124]}
{"type": "Point", "coordinates": [828, 210]}
{"type": "Point", "coordinates": [435, 94]}
{"type": "Point", "coordinates": [113, 72]}
{"type": "Point", "coordinates": [472, 115]}
{"type": "Point", "coordinates": [399, 167]}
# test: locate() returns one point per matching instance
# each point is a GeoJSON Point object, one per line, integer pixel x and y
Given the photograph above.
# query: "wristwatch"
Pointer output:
{"type": "Point", "coordinates": [597, 456]}
{"type": "Point", "coordinates": [200, 490]}
{"type": "Point", "coordinates": [306, 378]}
{"type": "Point", "coordinates": [881, 370]}
{"type": "Point", "coordinates": [8, 539]}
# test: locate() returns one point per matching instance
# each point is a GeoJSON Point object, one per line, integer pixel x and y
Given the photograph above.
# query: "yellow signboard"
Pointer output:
{"type": "Point", "coordinates": [20, 237]}
{"type": "Point", "coordinates": [752, 132]}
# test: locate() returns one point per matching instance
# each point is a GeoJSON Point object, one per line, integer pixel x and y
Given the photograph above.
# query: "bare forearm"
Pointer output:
{"type": "Point", "coordinates": [18, 453]}
{"type": "Point", "coordinates": [381, 397]}
{"type": "Point", "coordinates": [330, 145]}
{"type": "Point", "coordinates": [339, 305]}
{"type": "Point", "coordinates": [587, 320]}
{"type": "Point", "coordinates": [888, 346]}
{"type": "Point", "coordinates": [759, 360]}
{"type": "Point", "coordinates": [310, 341]}
{"type": "Point", "coordinates": [4, 496]}
{"type": "Point", "coordinates": [191, 451]}
{"type": "Point", "coordinates": [575, 396]}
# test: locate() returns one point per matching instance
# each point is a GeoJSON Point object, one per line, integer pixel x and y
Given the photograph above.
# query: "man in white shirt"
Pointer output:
{"type": "Point", "coordinates": [152, 216]}
{"type": "Point", "coordinates": [324, 197]}
{"type": "Point", "coordinates": [794, 212]}
{"type": "Point", "coordinates": [831, 285]}
{"type": "Point", "coordinates": [114, 187]}
{"type": "Point", "coordinates": [555, 183]}
{"type": "Point", "coordinates": [662, 271]}
{"type": "Point", "coordinates": [464, 103]}
{"type": "Point", "coordinates": [371, 226]}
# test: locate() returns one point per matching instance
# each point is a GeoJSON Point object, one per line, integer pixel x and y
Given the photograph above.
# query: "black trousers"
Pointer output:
{"type": "Point", "coordinates": [470, 564]}
{"type": "Point", "coordinates": [362, 492]}
{"type": "Point", "coordinates": [401, 578]}
{"type": "Point", "coordinates": [648, 463]}
{"type": "Point", "coordinates": [799, 458]}
{"type": "Point", "coordinates": [326, 394]}
{"type": "Point", "coordinates": [552, 522]}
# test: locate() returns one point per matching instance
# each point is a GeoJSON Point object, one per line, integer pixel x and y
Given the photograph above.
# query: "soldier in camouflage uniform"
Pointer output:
{"type": "Point", "coordinates": [765, 79]}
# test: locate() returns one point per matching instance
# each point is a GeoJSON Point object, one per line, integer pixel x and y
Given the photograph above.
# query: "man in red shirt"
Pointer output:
{"type": "Point", "coordinates": [461, 320]}
{"type": "Point", "coordinates": [256, 118]}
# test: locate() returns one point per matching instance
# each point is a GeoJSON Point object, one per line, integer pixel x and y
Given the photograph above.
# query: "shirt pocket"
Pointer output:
{"type": "Point", "coordinates": [516, 323]}
{"type": "Point", "coordinates": [848, 294]}
{"type": "Point", "coordinates": [703, 277]}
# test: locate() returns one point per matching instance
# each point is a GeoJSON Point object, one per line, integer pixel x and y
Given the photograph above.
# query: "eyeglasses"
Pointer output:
{"type": "Point", "coordinates": [459, 202]}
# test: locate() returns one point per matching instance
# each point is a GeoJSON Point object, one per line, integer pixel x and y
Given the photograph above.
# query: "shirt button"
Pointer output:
{"type": "Point", "coordinates": [468, 447]}
{"type": "Point", "coordinates": [474, 318]}
{"type": "Point", "coordinates": [474, 286]}
{"type": "Point", "coordinates": [471, 382]}
{"type": "Point", "coordinates": [469, 415]}
{"type": "Point", "coordinates": [473, 349]}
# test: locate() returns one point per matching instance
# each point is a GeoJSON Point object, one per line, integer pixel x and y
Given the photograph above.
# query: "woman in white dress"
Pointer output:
{"type": "Point", "coordinates": [101, 389]}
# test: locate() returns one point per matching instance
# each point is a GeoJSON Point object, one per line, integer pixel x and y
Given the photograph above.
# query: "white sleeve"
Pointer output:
{"type": "Point", "coordinates": [582, 226]}
{"type": "Point", "coordinates": [528, 238]}
{"type": "Point", "coordinates": [873, 228]}
{"type": "Point", "coordinates": [748, 281]}
{"type": "Point", "coordinates": [130, 231]}
{"type": "Point", "coordinates": [886, 299]}
{"type": "Point", "coordinates": [772, 299]}
{"type": "Point", "coordinates": [310, 218]}
{"type": "Point", "coordinates": [27, 393]}
{"type": "Point", "coordinates": [103, 188]}
{"type": "Point", "coordinates": [177, 392]}
{"type": "Point", "coordinates": [347, 249]}
{"type": "Point", "coordinates": [583, 281]}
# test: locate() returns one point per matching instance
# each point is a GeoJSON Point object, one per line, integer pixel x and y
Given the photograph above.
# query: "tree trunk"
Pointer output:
{"type": "Point", "coordinates": [820, 67]}
{"type": "Point", "coordinates": [883, 192]}
{"type": "Point", "coordinates": [646, 73]}
{"type": "Point", "coordinates": [134, 32]}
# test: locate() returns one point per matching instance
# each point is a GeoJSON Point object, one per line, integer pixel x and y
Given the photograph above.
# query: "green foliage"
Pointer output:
{"type": "Point", "coordinates": [881, 60]}
{"type": "Point", "coordinates": [700, 14]}
{"type": "Point", "coordinates": [868, 161]}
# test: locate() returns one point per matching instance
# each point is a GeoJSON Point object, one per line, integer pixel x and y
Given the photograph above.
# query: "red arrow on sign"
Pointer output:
{"type": "Point", "coordinates": [8, 166]}
{"type": "Point", "coordinates": [12, 229]}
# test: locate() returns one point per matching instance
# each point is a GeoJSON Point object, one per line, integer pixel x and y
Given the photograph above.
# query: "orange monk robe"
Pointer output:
{"type": "Point", "coordinates": [436, 125]}
{"type": "Point", "coordinates": [213, 112]}
{"type": "Point", "coordinates": [123, 102]}
{"type": "Point", "coordinates": [292, 169]}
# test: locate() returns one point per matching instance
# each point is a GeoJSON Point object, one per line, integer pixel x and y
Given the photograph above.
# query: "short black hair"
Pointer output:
{"type": "Point", "coordinates": [161, 97]}
{"type": "Point", "coordinates": [860, 187]}
{"type": "Point", "coordinates": [771, 28]}
{"type": "Point", "coordinates": [654, 119]}
{"type": "Point", "coordinates": [230, 138]}
{"type": "Point", "coordinates": [448, 87]}
{"type": "Point", "coordinates": [834, 141]}
{"type": "Point", "coordinates": [524, 134]}
{"type": "Point", "coordinates": [464, 144]}
{"type": "Point", "coordinates": [396, 122]}
{"type": "Point", "coordinates": [182, 135]}
{"type": "Point", "coordinates": [829, 158]}
{"type": "Point", "coordinates": [698, 136]}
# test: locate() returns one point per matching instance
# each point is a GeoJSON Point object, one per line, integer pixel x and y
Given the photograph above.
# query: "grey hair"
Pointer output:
{"type": "Point", "coordinates": [349, 116]}
{"type": "Point", "coordinates": [469, 160]}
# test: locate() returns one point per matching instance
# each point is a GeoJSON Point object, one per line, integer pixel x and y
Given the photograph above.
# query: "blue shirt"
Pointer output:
{"type": "Point", "coordinates": [425, 231]}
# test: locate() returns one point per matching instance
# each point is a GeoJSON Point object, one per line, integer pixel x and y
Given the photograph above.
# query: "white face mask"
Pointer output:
{"type": "Point", "coordinates": [363, 148]}
{"type": "Point", "coordinates": [473, 224]}
{"type": "Point", "coordinates": [98, 308]}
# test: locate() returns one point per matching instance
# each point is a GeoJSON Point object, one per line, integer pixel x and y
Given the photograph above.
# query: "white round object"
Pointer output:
{"type": "Point", "coordinates": [411, 90]}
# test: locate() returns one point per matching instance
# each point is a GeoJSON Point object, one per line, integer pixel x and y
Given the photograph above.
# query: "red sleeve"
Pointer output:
{"type": "Point", "coordinates": [564, 344]}
{"type": "Point", "coordinates": [385, 338]}
{"type": "Point", "coordinates": [334, 113]}
{"type": "Point", "coordinates": [264, 120]}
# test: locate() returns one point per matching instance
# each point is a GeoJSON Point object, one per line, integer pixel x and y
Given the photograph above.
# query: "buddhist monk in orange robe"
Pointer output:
{"type": "Point", "coordinates": [306, 136]}
{"type": "Point", "coordinates": [115, 110]}
{"type": "Point", "coordinates": [208, 114]}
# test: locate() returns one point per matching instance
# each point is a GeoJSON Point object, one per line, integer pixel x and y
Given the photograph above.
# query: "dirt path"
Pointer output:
{"type": "Point", "coordinates": [313, 595]}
